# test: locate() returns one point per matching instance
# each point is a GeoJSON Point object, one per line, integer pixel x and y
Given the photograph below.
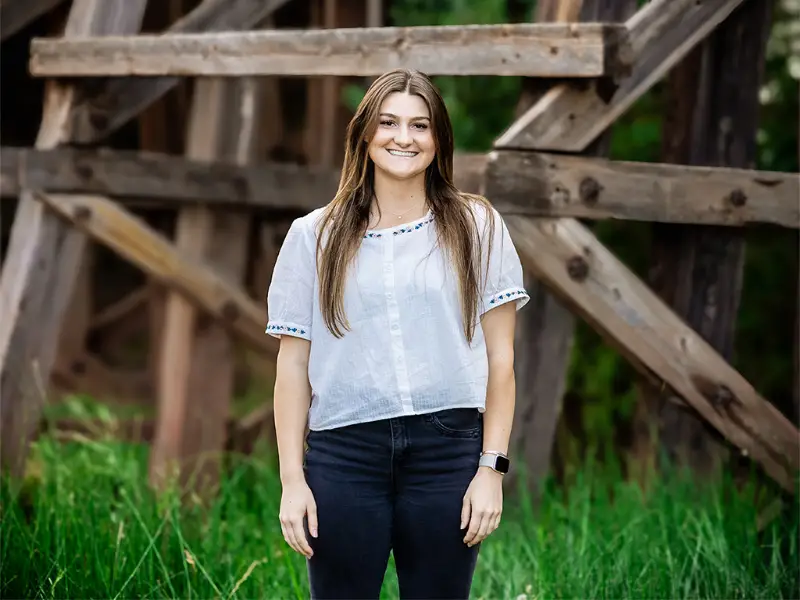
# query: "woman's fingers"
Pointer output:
{"type": "Point", "coordinates": [300, 538]}
{"type": "Point", "coordinates": [312, 518]}
{"type": "Point", "coordinates": [292, 528]}
{"type": "Point", "coordinates": [474, 527]}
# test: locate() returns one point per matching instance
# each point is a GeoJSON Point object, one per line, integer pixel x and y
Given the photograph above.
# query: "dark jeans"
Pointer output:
{"type": "Point", "coordinates": [393, 485]}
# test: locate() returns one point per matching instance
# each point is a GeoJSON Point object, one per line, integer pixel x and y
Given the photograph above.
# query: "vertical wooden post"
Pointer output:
{"type": "Point", "coordinates": [44, 257]}
{"type": "Point", "coordinates": [545, 330]}
{"type": "Point", "coordinates": [712, 120]}
{"type": "Point", "coordinates": [197, 369]}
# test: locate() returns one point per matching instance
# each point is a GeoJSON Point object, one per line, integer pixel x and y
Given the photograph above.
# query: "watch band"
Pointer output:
{"type": "Point", "coordinates": [497, 461]}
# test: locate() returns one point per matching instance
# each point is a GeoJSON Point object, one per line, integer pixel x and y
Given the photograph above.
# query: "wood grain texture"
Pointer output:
{"type": "Point", "coordinates": [105, 108]}
{"type": "Point", "coordinates": [127, 235]}
{"type": "Point", "coordinates": [194, 402]}
{"type": "Point", "coordinates": [597, 286]}
{"type": "Point", "coordinates": [568, 118]}
{"type": "Point", "coordinates": [555, 185]}
{"type": "Point", "coordinates": [543, 50]}
{"type": "Point", "coordinates": [43, 257]}
{"type": "Point", "coordinates": [711, 118]}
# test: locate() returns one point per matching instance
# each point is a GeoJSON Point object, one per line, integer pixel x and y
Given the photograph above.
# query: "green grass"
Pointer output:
{"type": "Point", "coordinates": [85, 525]}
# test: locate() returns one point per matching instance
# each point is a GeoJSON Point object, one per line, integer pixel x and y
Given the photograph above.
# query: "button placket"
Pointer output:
{"type": "Point", "coordinates": [395, 332]}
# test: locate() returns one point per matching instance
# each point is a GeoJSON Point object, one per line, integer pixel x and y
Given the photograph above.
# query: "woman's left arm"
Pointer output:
{"type": "Point", "coordinates": [483, 502]}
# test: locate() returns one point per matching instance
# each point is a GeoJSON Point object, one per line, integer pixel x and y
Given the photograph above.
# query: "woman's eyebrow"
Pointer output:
{"type": "Point", "coordinates": [412, 118]}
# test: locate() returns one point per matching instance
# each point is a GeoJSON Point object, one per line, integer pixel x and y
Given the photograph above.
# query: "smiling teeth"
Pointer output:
{"type": "Point", "coordinates": [400, 153]}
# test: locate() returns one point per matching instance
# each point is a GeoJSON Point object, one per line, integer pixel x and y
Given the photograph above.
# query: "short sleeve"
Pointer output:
{"type": "Point", "coordinates": [290, 298]}
{"type": "Point", "coordinates": [503, 274]}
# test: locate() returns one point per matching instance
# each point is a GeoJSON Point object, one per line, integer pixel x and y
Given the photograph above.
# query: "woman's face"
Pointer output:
{"type": "Point", "coordinates": [403, 145]}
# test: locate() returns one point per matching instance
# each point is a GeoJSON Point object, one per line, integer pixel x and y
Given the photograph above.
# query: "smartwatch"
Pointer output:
{"type": "Point", "coordinates": [497, 461]}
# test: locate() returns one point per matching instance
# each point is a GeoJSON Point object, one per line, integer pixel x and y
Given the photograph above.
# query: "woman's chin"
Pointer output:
{"type": "Point", "coordinates": [408, 172]}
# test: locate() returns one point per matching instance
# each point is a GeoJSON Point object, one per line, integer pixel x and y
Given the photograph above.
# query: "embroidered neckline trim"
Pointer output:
{"type": "Point", "coordinates": [400, 229]}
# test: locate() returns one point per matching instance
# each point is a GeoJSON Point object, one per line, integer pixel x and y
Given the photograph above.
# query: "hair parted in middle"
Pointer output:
{"type": "Point", "coordinates": [345, 219]}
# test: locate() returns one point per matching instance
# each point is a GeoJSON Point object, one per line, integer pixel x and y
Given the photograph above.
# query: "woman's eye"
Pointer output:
{"type": "Point", "coordinates": [387, 122]}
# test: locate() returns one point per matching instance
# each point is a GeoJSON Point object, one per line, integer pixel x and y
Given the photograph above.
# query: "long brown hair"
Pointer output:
{"type": "Point", "coordinates": [345, 219]}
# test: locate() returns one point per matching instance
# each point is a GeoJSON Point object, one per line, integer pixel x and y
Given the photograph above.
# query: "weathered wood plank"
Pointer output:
{"type": "Point", "coordinates": [194, 401]}
{"type": "Point", "coordinates": [16, 14]}
{"type": "Point", "coordinates": [127, 235]}
{"type": "Point", "coordinates": [545, 184]}
{"type": "Point", "coordinates": [43, 257]}
{"type": "Point", "coordinates": [711, 119]}
{"type": "Point", "coordinates": [545, 332]}
{"type": "Point", "coordinates": [568, 118]}
{"type": "Point", "coordinates": [598, 287]}
{"type": "Point", "coordinates": [543, 50]}
{"type": "Point", "coordinates": [104, 109]}
{"type": "Point", "coordinates": [528, 183]}
{"type": "Point", "coordinates": [134, 176]}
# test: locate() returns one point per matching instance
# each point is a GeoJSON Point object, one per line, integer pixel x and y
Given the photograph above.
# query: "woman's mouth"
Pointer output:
{"type": "Point", "coordinates": [402, 153]}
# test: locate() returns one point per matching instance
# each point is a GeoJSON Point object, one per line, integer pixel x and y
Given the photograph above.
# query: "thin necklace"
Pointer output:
{"type": "Point", "coordinates": [405, 212]}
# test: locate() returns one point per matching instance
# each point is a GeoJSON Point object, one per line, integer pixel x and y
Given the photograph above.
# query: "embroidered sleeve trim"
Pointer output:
{"type": "Point", "coordinates": [507, 296]}
{"type": "Point", "coordinates": [278, 328]}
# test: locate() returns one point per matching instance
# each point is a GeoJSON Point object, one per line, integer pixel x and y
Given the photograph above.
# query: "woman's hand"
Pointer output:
{"type": "Point", "coordinates": [482, 506]}
{"type": "Point", "coordinates": [297, 501]}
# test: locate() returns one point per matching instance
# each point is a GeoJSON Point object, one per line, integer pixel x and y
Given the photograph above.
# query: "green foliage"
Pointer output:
{"type": "Point", "coordinates": [87, 526]}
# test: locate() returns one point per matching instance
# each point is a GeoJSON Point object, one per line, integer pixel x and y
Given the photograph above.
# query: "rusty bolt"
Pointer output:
{"type": "Point", "coordinates": [723, 397]}
{"type": "Point", "coordinates": [590, 190]}
{"type": "Point", "coordinates": [578, 268]}
{"type": "Point", "coordinates": [230, 311]}
{"type": "Point", "coordinates": [84, 171]}
{"type": "Point", "coordinates": [82, 213]}
{"type": "Point", "coordinates": [737, 198]}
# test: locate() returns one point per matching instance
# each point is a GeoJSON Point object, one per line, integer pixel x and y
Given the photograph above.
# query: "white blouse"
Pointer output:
{"type": "Point", "coordinates": [405, 352]}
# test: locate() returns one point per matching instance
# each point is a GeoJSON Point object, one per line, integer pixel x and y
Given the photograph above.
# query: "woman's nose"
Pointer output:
{"type": "Point", "coordinates": [402, 137]}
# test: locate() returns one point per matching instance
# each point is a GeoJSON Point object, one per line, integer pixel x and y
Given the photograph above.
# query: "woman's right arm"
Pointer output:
{"type": "Point", "coordinates": [292, 398]}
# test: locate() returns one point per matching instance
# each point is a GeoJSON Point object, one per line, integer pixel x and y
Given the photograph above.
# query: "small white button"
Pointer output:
{"type": "Point", "coordinates": [395, 327]}
{"type": "Point", "coordinates": [389, 295]}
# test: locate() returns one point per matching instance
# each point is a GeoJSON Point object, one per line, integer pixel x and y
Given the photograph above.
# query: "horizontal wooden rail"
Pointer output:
{"type": "Point", "coordinates": [595, 285]}
{"type": "Point", "coordinates": [521, 182]}
{"type": "Point", "coordinates": [140, 178]}
{"type": "Point", "coordinates": [536, 50]}
{"type": "Point", "coordinates": [541, 184]}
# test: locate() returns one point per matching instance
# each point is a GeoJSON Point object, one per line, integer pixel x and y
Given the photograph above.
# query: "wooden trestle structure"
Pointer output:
{"type": "Point", "coordinates": [588, 62]}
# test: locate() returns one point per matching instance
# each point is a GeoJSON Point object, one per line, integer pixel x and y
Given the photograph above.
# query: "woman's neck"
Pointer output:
{"type": "Point", "coordinates": [400, 196]}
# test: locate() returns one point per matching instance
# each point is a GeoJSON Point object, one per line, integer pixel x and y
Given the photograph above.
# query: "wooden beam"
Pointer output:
{"type": "Point", "coordinates": [16, 14]}
{"type": "Point", "coordinates": [197, 369]}
{"type": "Point", "coordinates": [569, 117]}
{"type": "Point", "coordinates": [127, 235]}
{"type": "Point", "coordinates": [557, 185]}
{"type": "Point", "coordinates": [543, 50]}
{"type": "Point", "coordinates": [711, 118]}
{"type": "Point", "coordinates": [527, 183]}
{"type": "Point", "coordinates": [601, 289]}
{"type": "Point", "coordinates": [545, 332]}
{"type": "Point", "coordinates": [105, 108]}
{"type": "Point", "coordinates": [43, 257]}
{"type": "Point", "coordinates": [136, 176]}
{"type": "Point", "coordinates": [86, 373]}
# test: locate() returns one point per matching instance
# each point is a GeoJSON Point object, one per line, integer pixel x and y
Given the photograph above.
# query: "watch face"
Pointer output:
{"type": "Point", "coordinates": [502, 464]}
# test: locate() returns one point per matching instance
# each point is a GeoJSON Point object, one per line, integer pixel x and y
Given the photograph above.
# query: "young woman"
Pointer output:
{"type": "Point", "coordinates": [395, 305]}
